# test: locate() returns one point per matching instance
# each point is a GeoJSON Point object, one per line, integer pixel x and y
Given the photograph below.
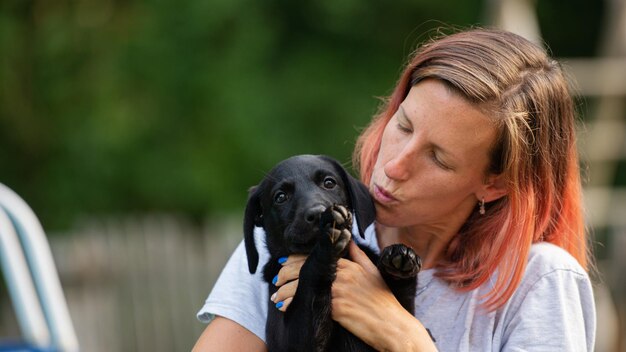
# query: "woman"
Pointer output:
{"type": "Point", "coordinates": [472, 162]}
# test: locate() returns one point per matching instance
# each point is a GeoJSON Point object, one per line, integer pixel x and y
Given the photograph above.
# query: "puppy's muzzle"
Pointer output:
{"type": "Point", "coordinates": [312, 215]}
{"type": "Point", "coordinates": [305, 232]}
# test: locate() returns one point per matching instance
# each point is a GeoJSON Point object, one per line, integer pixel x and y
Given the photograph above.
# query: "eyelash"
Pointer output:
{"type": "Point", "coordinates": [439, 163]}
{"type": "Point", "coordinates": [403, 129]}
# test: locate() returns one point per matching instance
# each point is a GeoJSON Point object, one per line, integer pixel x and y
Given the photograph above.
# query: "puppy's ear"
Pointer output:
{"type": "Point", "coordinates": [252, 217]}
{"type": "Point", "coordinates": [359, 196]}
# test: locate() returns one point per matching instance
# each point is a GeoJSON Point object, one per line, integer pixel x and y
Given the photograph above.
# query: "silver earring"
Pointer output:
{"type": "Point", "coordinates": [481, 207]}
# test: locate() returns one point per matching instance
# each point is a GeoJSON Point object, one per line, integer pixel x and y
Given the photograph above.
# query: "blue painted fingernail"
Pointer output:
{"type": "Point", "coordinates": [279, 305]}
{"type": "Point", "coordinates": [275, 280]}
{"type": "Point", "coordinates": [281, 260]}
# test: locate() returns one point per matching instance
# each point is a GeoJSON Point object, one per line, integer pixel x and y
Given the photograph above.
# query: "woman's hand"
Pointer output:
{"type": "Point", "coordinates": [363, 304]}
{"type": "Point", "coordinates": [287, 281]}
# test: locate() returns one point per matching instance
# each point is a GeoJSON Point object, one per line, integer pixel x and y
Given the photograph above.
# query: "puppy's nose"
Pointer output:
{"type": "Point", "coordinates": [312, 215]}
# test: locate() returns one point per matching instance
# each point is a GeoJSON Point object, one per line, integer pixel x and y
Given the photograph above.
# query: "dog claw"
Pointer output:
{"type": "Point", "coordinates": [344, 212]}
{"type": "Point", "coordinates": [338, 217]}
{"type": "Point", "coordinates": [341, 215]}
{"type": "Point", "coordinates": [337, 222]}
{"type": "Point", "coordinates": [334, 235]}
{"type": "Point", "coordinates": [342, 240]}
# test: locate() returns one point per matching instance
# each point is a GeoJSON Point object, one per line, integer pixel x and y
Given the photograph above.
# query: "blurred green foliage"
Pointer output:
{"type": "Point", "coordinates": [131, 106]}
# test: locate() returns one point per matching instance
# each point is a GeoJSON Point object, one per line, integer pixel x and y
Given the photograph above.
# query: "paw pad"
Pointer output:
{"type": "Point", "coordinates": [400, 261]}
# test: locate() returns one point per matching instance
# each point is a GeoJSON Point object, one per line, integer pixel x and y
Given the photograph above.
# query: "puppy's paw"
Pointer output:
{"type": "Point", "coordinates": [400, 262]}
{"type": "Point", "coordinates": [336, 223]}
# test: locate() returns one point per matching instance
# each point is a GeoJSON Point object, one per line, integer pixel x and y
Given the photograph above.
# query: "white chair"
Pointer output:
{"type": "Point", "coordinates": [32, 279]}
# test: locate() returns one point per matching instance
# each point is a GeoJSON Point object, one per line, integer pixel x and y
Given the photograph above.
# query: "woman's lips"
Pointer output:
{"type": "Point", "coordinates": [382, 196]}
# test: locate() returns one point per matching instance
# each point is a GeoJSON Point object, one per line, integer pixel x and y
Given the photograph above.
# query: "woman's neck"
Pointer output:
{"type": "Point", "coordinates": [430, 243]}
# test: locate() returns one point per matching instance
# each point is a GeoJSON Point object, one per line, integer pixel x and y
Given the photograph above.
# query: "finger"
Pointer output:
{"type": "Point", "coordinates": [343, 263]}
{"type": "Point", "coordinates": [289, 272]}
{"type": "Point", "coordinates": [294, 258]}
{"type": "Point", "coordinates": [283, 305]}
{"type": "Point", "coordinates": [288, 290]}
{"type": "Point", "coordinates": [358, 256]}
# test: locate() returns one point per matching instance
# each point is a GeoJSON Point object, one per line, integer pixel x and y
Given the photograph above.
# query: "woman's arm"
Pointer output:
{"type": "Point", "coordinates": [363, 304]}
{"type": "Point", "coordinates": [225, 335]}
{"type": "Point", "coordinates": [239, 302]}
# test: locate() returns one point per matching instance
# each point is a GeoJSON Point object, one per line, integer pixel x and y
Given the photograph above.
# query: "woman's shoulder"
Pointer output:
{"type": "Point", "coordinates": [545, 258]}
{"type": "Point", "coordinates": [555, 298]}
{"type": "Point", "coordinates": [550, 266]}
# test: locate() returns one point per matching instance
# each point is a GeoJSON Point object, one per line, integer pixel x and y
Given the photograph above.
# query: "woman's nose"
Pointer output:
{"type": "Point", "coordinates": [398, 168]}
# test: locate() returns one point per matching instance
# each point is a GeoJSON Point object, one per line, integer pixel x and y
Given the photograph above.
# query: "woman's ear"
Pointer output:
{"type": "Point", "coordinates": [494, 188]}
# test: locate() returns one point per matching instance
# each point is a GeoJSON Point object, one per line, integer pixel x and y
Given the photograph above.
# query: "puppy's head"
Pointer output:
{"type": "Point", "coordinates": [290, 199]}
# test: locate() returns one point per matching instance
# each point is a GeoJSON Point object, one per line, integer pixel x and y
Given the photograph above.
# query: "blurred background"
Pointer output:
{"type": "Point", "coordinates": [134, 129]}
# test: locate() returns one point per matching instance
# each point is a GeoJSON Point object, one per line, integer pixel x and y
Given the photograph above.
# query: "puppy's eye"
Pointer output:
{"type": "Point", "coordinates": [280, 197]}
{"type": "Point", "coordinates": [329, 182]}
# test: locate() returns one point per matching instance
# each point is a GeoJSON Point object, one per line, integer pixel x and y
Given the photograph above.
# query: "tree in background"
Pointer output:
{"type": "Point", "coordinates": [109, 107]}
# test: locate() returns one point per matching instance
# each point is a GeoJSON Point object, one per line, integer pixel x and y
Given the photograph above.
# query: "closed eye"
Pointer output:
{"type": "Point", "coordinates": [439, 162]}
{"type": "Point", "coordinates": [404, 124]}
{"type": "Point", "coordinates": [403, 129]}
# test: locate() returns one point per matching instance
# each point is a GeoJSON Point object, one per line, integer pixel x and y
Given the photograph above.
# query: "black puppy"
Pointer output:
{"type": "Point", "coordinates": [301, 204]}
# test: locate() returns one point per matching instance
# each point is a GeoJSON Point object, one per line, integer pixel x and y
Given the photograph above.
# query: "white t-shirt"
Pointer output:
{"type": "Point", "coordinates": [551, 310]}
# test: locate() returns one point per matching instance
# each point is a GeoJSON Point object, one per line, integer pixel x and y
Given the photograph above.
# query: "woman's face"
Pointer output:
{"type": "Point", "coordinates": [433, 156]}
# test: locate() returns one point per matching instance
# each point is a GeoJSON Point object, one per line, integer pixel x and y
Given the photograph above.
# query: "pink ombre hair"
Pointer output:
{"type": "Point", "coordinates": [526, 94]}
